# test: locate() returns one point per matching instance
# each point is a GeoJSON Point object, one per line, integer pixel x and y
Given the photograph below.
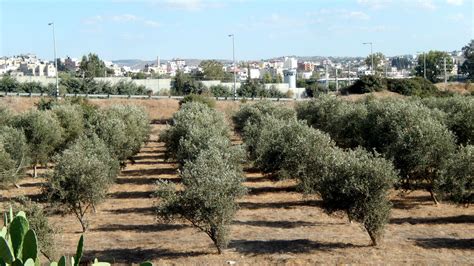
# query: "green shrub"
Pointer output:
{"type": "Point", "coordinates": [413, 137]}
{"type": "Point", "coordinates": [43, 134]}
{"type": "Point", "coordinates": [6, 116]}
{"type": "Point", "coordinates": [81, 177]}
{"type": "Point", "coordinates": [343, 121]}
{"type": "Point", "coordinates": [356, 182]}
{"type": "Point", "coordinates": [220, 91]}
{"type": "Point", "coordinates": [9, 84]}
{"type": "Point", "coordinates": [460, 115]}
{"type": "Point", "coordinates": [210, 102]}
{"type": "Point", "coordinates": [212, 182]}
{"type": "Point", "coordinates": [195, 127]}
{"type": "Point", "coordinates": [457, 177]}
{"type": "Point", "coordinates": [123, 128]}
{"type": "Point", "coordinates": [71, 119]}
{"type": "Point", "coordinates": [279, 146]}
{"type": "Point", "coordinates": [366, 84]}
{"type": "Point", "coordinates": [14, 155]}
{"type": "Point", "coordinates": [252, 113]}
{"type": "Point", "coordinates": [417, 86]}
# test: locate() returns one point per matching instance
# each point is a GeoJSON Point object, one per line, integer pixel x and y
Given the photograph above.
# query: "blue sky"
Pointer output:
{"type": "Point", "coordinates": [144, 29]}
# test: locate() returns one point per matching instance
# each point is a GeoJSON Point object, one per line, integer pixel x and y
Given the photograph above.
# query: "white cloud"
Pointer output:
{"type": "Point", "coordinates": [152, 23]}
{"type": "Point", "coordinates": [374, 4]}
{"type": "Point", "coordinates": [455, 2]}
{"type": "Point", "coordinates": [425, 4]}
{"type": "Point", "coordinates": [358, 15]}
{"type": "Point", "coordinates": [124, 18]}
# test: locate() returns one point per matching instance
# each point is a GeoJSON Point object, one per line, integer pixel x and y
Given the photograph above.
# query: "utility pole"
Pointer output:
{"type": "Point", "coordinates": [445, 72]}
{"type": "Point", "coordinates": [337, 82]}
{"type": "Point", "coordinates": [371, 56]}
{"type": "Point", "coordinates": [233, 60]}
{"type": "Point", "coordinates": [349, 73]}
{"type": "Point", "coordinates": [55, 60]}
{"type": "Point", "coordinates": [327, 79]}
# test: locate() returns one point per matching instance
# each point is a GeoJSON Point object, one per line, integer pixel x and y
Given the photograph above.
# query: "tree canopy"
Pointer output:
{"type": "Point", "coordinates": [434, 65]}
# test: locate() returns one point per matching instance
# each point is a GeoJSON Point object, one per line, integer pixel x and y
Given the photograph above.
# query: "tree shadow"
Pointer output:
{"type": "Point", "coordinates": [130, 195]}
{"type": "Point", "coordinates": [284, 246]}
{"type": "Point", "coordinates": [279, 205]}
{"type": "Point", "coordinates": [149, 157]}
{"type": "Point", "coordinates": [35, 184]}
{"type": "Point", "coordinates": [136, 255]}
{"type": "Point", "coordinates": [140, 227]}
{"type": "Point", "coordinates": [276, 224]}
{"type": "Point", "coordinates": [140, 210]}
{"type": "Point", "coordinates": [257, 179]}
{"type": "Point", "coordinates": [264, 190]}
{"type": "Point", "coordinates": [154, 171]}
{"type": "Point", "coordinates": [407, 202]}
{"type": "Point", "coordinates": [144, 181]}
{"type": "Point", "coordinates": [161, 121]}
{"type": "Point", "coordinates": [155, 151]}
{"type": "Point", "coordinates": [443, 242]}
{"type": "Point", "coordinates": [460, 219]}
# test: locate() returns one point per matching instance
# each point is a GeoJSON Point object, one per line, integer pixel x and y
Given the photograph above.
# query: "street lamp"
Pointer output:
{"type": "Point", "coordinates": [371, 55]}
{"type": "Point", "coordinates": [233, 60]}
{"type": "Point", "coordinates": [55, 60]}
{"type": "Point", "coordinates": [424, 63]}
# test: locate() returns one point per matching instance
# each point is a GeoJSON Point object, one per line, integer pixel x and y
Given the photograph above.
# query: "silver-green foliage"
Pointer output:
{"type": "Point", "coordinates": [412, 136]}
{"type": "Point", "coordinates": [343, 121]}
{"type": "Point", "coordinates": [71, 119]}
{"type": "Point", "coordinates": [279, 145]}
{"type": "Point", "coordinates": [81, 177]}
{"type": "Point", "coordinates": [212, 183]}
{"type": "Point", "coordinates": [14, 154]}
{"type": "Point", "coordinates": [43, 134]}
{"type": "Point", "coordinates": [211, 173]}
{"type": "Point", "coordinates": [123, 128]}
{"type": "Point", "coordinates": [457, 176]}
{"type": "Point", "coordinates": [354, 181]}
{"type": "Point", "coordinates": [460, 118]}
{"type": "Point", "coordinates": [195, 127]}
{"type": "Point", "coordinates": [253, 113]}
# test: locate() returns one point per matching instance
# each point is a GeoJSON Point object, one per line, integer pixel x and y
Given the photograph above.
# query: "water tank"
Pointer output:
{"type": "Point", "coordinates": [290, 77]}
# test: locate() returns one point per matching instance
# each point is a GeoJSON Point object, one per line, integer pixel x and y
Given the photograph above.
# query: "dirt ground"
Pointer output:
{"type": "Point", "coordinates": [275, 224]}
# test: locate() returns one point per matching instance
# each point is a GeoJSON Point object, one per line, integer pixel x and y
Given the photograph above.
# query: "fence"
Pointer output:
{"type": "Point", "coordinates": [151, 97]}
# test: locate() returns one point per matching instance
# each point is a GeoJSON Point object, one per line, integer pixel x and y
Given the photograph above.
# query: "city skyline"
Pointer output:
{"type": "Point", "coordinates": [126, 29]}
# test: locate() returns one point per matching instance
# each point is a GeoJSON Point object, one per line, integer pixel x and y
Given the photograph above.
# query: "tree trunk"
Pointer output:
{"type": "Point", "coordinates": [35, 174]}
{"type": "Point", "coordinates": [433, 197]}
{"type": "Point", "coordinates": [374, 240]}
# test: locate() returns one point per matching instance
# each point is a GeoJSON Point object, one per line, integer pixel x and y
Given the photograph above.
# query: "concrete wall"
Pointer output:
{"type": "Point", "coordinates": [43, 80]}
{"type": "Point", "coordinates": [155, 85]}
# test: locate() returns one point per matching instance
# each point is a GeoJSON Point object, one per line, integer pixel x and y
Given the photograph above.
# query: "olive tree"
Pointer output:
{"type": "Point", "coordinates": [6, 116]}
{"type": "Point", "coordinates": [123, 128]}
{"type": "Point", "coordinates": [81, 177]}
{"type": "Point", "coordinates": [356, 182]}
{"type": "Point", "coordinates": [457, 177]}
{"type": "Point", "coordinates": [280, 145]}
{"type": "Point", "coordinates": [43, 134]}
{"type": "Point", "coordinates": [413, 137]}
{"type": "Point", "coordinates": [195, 127]}
{"type": "Point", "coordinates": [14, 155]}
{"type": "Point", "coordinates": [252, 113]}
{"type": "Point", "coordinates": [460, 115]}
{"type": "Point", "coordinates": [71, 119]}
{"type": "Point", "coordinates": [212, 183]}
{"type": "Point", "coordinates": [343, 121]}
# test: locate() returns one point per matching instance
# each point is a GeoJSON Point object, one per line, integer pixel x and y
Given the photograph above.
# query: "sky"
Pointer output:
{"type": "Point", "coordinates": [145, 29]}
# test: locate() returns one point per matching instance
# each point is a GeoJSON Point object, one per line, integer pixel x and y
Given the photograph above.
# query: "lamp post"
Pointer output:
{"type": "Point", "coordinates": [233, 63]}
{"type": "Point", "coordinates": [371, 55]}
{"type": "Point", "coordinates": [55, 60]}
{"type": "Point", "coordinates": [424, 63]}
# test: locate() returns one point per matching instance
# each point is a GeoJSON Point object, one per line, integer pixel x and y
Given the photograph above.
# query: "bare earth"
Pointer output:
{"type": "Point", "coordinates": [275, 224]}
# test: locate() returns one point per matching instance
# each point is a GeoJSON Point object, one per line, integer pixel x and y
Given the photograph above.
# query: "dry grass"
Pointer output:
{"type": "Point", "coordinates": [456, 87]}
{"type": "Point", "coordinates": [275, 225]}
